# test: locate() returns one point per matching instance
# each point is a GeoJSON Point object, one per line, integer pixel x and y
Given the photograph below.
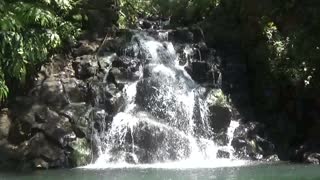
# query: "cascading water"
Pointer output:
{"type": "Point", "coordinates": [165, 114]}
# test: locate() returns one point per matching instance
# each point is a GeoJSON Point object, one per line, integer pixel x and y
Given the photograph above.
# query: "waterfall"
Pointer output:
{"type": "Point", "coordinates": [165, 114]}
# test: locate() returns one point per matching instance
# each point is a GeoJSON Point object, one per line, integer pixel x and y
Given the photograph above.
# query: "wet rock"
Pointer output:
{"type": "Point", "coordinates": [170, 145]}
{"type": "Point", "coordinates": [74, 89]}
{"type": "Point", "coordinates": [197, 33]}
{"type": "Point", "coordinates": [107, 60]}
{"type": "Point", "coordinates": [78, 114]}
{"type": "Point", "coordinates": [221, 138]}
{"type": "Point", "coordinates": [312, 158]}
{"type": "Point", "coordinates": [81, 153]}
{"type": "Point", "coordinates": [181, 35]}
{"type": "Point", "coordinates": [52, 93]}
{"type": "Point", "coordinates": [39, 163]}
{"type": "Point", "coordinates": [249, 144]}
{"type": "Point", "coordinates": [272, 158]}
{"type": "Point", "coordinates": [105, 96]}
{"type": "Point", "coordinates": [220, 118]}
{"type": "Point", "coordinates": [200, 72]}
{"type": "Point", "coordinates": [5, 124]}
{"type": "Point", "coordinates": [85, 66]}
{"type": "Point", "coordinates": [85, 47]}
{"type": "Point", "coordinates": [39, 147]}
{"type": "Point", "coordinates": [55, 127]}
{"type": "Point", "coordinates": [145, 24]}
{"type": "Point", "coordinates": [223, 154]}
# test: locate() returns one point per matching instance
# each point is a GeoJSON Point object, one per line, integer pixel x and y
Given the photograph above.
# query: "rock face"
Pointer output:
{"type": "Point", "coordinates": [249, 142]}
{"type": "Point", "coordinates": [59, 122]}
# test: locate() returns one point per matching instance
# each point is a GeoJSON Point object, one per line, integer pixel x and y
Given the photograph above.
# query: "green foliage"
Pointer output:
{"type": "Point", "coordinates": [181, 11]}
{"type": "Point", "coordinates": [29, 33]}
{"type": "Point", "coordinates": [294, 55]}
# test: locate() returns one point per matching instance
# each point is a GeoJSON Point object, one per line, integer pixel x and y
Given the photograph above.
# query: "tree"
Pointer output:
{"type": "Point", "coordinates": [29, 32]}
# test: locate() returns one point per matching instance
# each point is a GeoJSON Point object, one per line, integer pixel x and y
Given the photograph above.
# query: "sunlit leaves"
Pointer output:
{"type": "Point", "coordinates": [190, 10]}
{"type": "Point", "coordinates": [29, 31]}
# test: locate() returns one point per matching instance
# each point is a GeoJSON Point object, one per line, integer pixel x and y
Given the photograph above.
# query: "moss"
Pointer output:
{"type": "Point", "coordinates": [218, 98]}
{"type": "Point", "coordinates": [81, 154]}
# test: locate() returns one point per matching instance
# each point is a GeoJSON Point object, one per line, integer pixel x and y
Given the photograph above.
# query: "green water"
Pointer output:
{"type": "Point", "coordinates": [258, 172]}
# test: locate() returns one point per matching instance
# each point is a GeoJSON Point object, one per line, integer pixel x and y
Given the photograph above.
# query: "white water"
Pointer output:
{"type": "Point", "coordinates": [167, 128]}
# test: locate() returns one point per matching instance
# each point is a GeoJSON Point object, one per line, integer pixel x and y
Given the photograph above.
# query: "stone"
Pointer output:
{"type": "Point", "coordinates": [81, 153]}
{"type": "Point", "coordinates": [85, 66]}
{"type": "Point", "coordinates": [40, 147]}
{"type": "Point", "coordinates": [79, 116]}
{"type": "Point", "coordinates": [221, 138]}
{"type": "Point", "coordinates": [248, 143]}
{"type": "Point", "coordinates": [107, 60]}
{"type": "Point", "coordinates": [145, 24]}
{"type": "Point", "coordinates": [272, 158]}
{"type": "Point", "coordinates": [223, 154]}
{"type": "Point", "coordinates": [220, 118]}
{"type": "Point", "coordinates": [200, 72]}
{"type": "Point", "coordinates": [106, 96]}
{"type": "Point", "coordinates": [5, 124]}
{"type": "Point", "coordinates": [312, 158]}
{"type": "Point", "coordinates": [39, 163]}
{"type": "Point", "coordinates": [181, 35]}
{"type": "Point", "coordinates": [52, 92]}
{"type": "Point", "coordinates": [74, 89]}
{"type": "Point", "coordinates": [85, 48]}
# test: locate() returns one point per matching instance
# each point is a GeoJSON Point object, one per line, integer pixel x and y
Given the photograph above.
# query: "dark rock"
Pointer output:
{"type": "Point", "coordinates": [200, 72]}
{"type": "Point", "coordinates": [5, 124]}
{"type": "Point", "coordinates": [272, 158]}
{"type": "Point", "coordinates": [220, 118]}
{"type": "Point", "coordinates": [85, 66]}
{"type": "Point", "coordinates": [105, 96]}
{"type": "Point", "coordinates": [170, 145]}
{"type": "Point", "coordinates": [85, 48]}
{"type": "Point", "coordinates": [223, 154]}
{"type": "Point", "coordinates": [52, 93]}
{"type": "Point", "coordinates": [40, 148]}
{"type": "Point", "coordinates": [107, 60]}
{"type": "Point", "coordinates": [81, 153]}
{"type": "Point", "coordinates": [79, 116]}
{"type": "Point", "coordinates": [249, 144]}
{"type": "Point", "coordinates": [74, 89]}
{"type": "Point", "coordinates": [145, 24]}
{"type": "Point", "coordinates": [198, 34]}
{"type": "Point", "coordinates": [221, 138]}
{"type": "Point", "coordinates": [312, 158]}
{"type": "Point", "coordinates": [181, 35]}
{"type": "Point", "coordinates": [39, 163]}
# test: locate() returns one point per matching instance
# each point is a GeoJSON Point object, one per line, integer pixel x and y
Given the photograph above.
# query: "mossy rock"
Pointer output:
{"type": "Point", "coordinates": [81, 154]}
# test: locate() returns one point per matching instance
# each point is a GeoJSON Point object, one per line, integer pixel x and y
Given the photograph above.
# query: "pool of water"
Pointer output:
{"type": "Point", "coordinates": [252, 172]}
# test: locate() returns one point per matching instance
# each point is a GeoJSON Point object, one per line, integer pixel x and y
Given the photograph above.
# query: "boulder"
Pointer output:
{"type": "Point", "coordinates": [182, 35]}
{"type": "Point", "coordinates": [106, 96]}
{"type": "Point", "coordinates": [79, 116]}
{"type": "Point", "coordinates": [52, 92]}
{"type": "Point", "coordinates": [312, 158]}
{"type": "Point", "coordinates": [84, 48]}
{"type": "Point", "coordinates": [85, 66]}
{"type": "Point", "coordinates": [220, 118]}
{"type": "Point", "coordinates": [40, 148]}
{"type": "Point", "coordinates": [249, 143]}
{"type": "Point", "coordinates": [5, 124]}
{"type": "Point", "coordinates": [200, 72]}
{"type": "Point", "coordinates": [223, 154]}
{"type": "Point", "coordinates": [81, 153]}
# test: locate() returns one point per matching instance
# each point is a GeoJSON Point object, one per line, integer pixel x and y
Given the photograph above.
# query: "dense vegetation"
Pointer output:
{"type": "Point", "coordinates": [281, 45]}
{"type": "Point", "coordinates": [288, 41]}
{"type": "Point", "coordinates": [29, 33]}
